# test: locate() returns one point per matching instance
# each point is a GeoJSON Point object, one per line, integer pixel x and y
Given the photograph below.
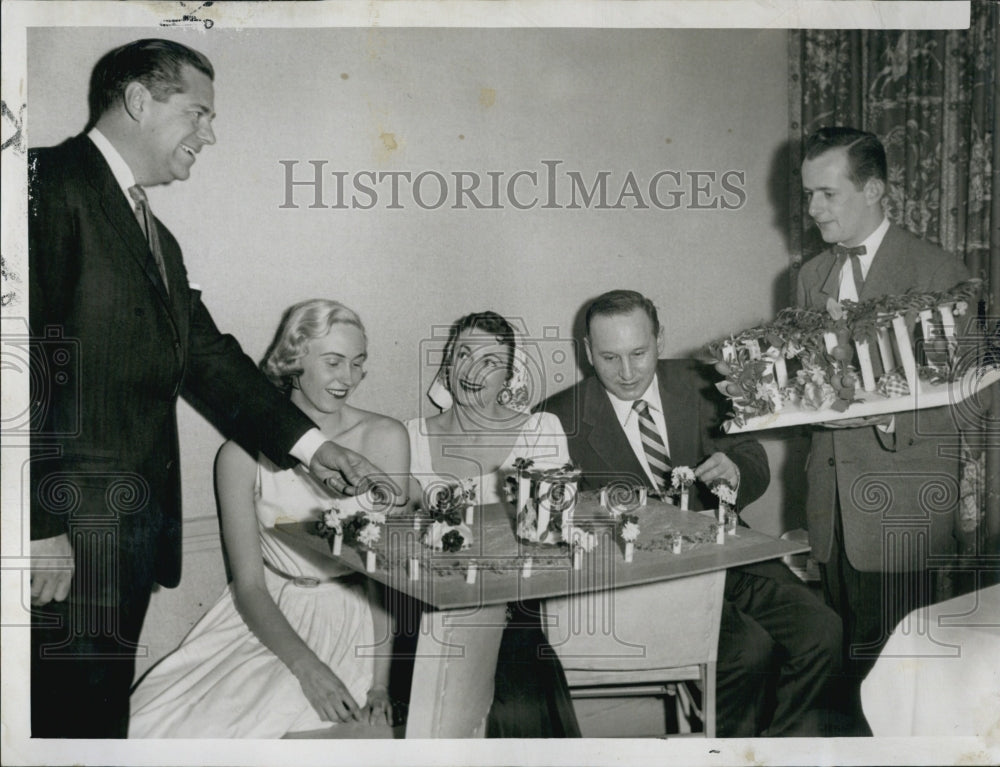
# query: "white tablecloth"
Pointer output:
{"type": "Point", "coordinates": [939, 674]}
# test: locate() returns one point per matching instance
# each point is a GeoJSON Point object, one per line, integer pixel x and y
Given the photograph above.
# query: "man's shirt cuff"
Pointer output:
{"type": "Point", "coordinates": [306, 447]}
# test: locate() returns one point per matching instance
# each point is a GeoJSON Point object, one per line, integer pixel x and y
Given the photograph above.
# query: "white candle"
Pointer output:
{"type": "Point", "coordinates": [338, 543]}
{"type": "Point", "coordinates": [416, 520]}
{"type": "Point", "coordinates": [604, 498]}
{"type": "Point", "coordinates": [470, 574]}
{"type": "Point", "coordinates": [925, 324]}
{"type": "Point", "coordinates": [684, 500]}
{"type": "Point", "coordinates": [414, 569]}
{"type": "Point", "coordinates": [469, 513]}
{"type": "Point", "coordinates": [643, 497]}
{"type": "Point", "coordinates": [947, 321]}
{"type": "Point", "coordinates": [830, 339]}
{"type": "Point", "coordinates": [370, 561]}
{"type": "Point", "coordinates": [720, 533]}
{"type": "Point", "coordinates": [885, 350]}
{"type": "Point", "coordinates": [781, 371]}
{"type": "Point", "coordinates": [526, 569]}
{"type": "Point", "coordinates": [629, 551]}
{"type": "Point", "coordinates": [865, 361]}
{"type": "Point", "coordinates": [905, 348]}
{"type": "Point", "coordinates": [731, 523]}
{"type": "Point", "coordinates": [720, 513]}
{"type": "Point", "coordinates": [676, 543]}
{"type": "Point", "coordinates": [577, 558]}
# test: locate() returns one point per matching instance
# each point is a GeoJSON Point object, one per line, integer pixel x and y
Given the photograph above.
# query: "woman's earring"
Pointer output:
{"type": "Point", "coordinates": [506, 395]}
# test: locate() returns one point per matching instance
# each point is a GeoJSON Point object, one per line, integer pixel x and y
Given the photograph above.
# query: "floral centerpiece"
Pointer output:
{"type": "Point", "coordinates": [882, 347]}
{"type": "Point", "coordinates": [545, 501]}
{"type": "Point", "coordinates": [448, 532]}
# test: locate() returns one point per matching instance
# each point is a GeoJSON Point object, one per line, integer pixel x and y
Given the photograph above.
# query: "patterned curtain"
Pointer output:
{"type": "Point", "coordinates": [932, 98]}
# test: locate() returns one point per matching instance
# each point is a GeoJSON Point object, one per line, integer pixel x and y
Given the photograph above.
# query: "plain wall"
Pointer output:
{"type": "Point", "coordinates": [457, 100]}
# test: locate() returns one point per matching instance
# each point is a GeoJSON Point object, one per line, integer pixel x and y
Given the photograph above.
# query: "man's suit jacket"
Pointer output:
{"type": "Point", "coordinates": [897, 492]}
{"type": "Point", "coordinates": [114, 350]}
{"type": "Point", "coordinates": [598, 445]}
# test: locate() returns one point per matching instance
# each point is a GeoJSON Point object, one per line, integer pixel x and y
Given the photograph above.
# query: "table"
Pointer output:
{"type": "Point", "coordinates": [460, 633]}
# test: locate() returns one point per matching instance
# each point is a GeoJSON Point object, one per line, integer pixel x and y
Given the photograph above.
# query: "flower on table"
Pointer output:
{"type": "Point", "coordinates": [442, 536]}
{"type": "Point", "coordinates": [332, 521]}
{"type": "Point", "coordinates": [725, 492]}
{"type": "Point", "coordinates": [370, 534]}
{"type": "Point", "coordinates": [628, 527]}
{"type": "Point", "coordinates": [681, 478]}
{"type": "Point", "coordinates": [452, 541]}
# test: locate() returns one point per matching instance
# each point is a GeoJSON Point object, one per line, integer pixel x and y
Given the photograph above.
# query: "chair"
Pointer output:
{"type": "Point", "coordinates": [638, 641]}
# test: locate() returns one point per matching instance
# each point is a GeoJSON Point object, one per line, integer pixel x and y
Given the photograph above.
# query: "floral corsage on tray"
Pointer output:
{"type": "Point", "coordinates": [545, 500]}
{"type": "Point", "coordinates": [851, 355]}
{"type": "Point", "coordinates": [448, 532]}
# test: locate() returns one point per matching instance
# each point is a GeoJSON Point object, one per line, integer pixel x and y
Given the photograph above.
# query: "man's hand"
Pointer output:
{"type": "Point", "coordinates": [51, 569]}
{"type": "Point", "coordinates": [718, 466]}
{"type": "Point", "coordinates": [857, 423]}
{"type": "Point", "coordinates": [348, 472]}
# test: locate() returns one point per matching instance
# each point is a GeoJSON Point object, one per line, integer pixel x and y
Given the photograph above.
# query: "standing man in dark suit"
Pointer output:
{"type": "Point", "coordinates": [874, 506]}
{"type": "Point", "coordinates": [640, 415]}
{"type": "Point", "coordinates": [120, 335]}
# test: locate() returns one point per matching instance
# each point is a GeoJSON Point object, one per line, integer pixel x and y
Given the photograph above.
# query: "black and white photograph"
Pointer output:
{"type": "Point", "coordinates": [587, 382]}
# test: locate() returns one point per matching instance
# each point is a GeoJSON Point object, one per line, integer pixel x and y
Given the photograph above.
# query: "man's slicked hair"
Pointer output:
{"type": "Point", "coordinates": [865, 153]}
{"type": "Point", "coordinates": [619, 302]}
{"type": "Point", "coordinates": [157, 64]}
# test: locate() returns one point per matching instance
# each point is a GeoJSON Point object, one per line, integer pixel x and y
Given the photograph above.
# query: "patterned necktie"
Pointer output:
{"type": "Point", "coordinates": [148, 224]}
{"type": "Point", "coordinates": [854, 254]}
{"type": "Point", "coordinates": [652, 444]}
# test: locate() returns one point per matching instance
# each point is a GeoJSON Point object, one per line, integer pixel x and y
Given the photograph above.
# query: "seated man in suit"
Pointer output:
{"type": "Point", "coordinates": [640, 415]}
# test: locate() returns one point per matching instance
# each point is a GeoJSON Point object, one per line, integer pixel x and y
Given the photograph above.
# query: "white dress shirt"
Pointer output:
{"type": "Point", "coordinates": [848, 290]}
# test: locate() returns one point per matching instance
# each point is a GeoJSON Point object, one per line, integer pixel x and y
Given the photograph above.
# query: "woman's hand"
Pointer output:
{"type": "Point", "coordinates": [326, 693]}
{"type": "Point", "coordinates": [379, 706]}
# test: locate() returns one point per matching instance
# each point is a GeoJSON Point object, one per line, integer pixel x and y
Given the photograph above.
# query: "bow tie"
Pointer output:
{"type": "Point", "coordinates": [845, 253]}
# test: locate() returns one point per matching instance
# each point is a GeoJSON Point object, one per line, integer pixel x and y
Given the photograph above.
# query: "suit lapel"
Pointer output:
{"type": "Point", "coordinates": [607, 438]}
{"type": "Point", "coordinates": [831, 285]}
{"type": "Point", "coordinates": [887, 266]}
{"type": "Point", "coordinates": [119, 213]}
{"type": "Point", "coordinates": [680, 413]}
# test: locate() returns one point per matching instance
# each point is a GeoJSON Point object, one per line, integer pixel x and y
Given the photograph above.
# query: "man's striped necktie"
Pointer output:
{"type": "Point", "coordinates": [652, 444]}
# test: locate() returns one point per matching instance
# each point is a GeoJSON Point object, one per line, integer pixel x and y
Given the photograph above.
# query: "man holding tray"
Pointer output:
{"type": "Point", "coordinates": [880, 498]}
{"type": "Point", "coordinates": [632, 421]}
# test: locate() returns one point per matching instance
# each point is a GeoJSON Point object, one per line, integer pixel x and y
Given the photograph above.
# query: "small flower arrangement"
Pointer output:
{"type": "Point", "coordinates": [726, 494]}
{"type": "Point", "coordinates": [447, 531]}
{"type": "Point", "coordinates": [628, 529]}
{"type": "Point", "coordinates": [681, 479]}
{"type": "Point", "coordinates": [353, 521]}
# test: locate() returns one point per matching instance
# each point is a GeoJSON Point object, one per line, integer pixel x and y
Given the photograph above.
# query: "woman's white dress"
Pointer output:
{"type": "Point", "coordinates": [530, 694]}
{"type": "Point", "coordinates": [222, 682]}
{"type": "Point", "coordinates": [541, 439]}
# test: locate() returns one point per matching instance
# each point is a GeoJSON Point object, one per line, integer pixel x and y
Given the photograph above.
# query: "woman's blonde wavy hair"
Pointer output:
{"type": "Point", "coordinates": [299, 325]}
